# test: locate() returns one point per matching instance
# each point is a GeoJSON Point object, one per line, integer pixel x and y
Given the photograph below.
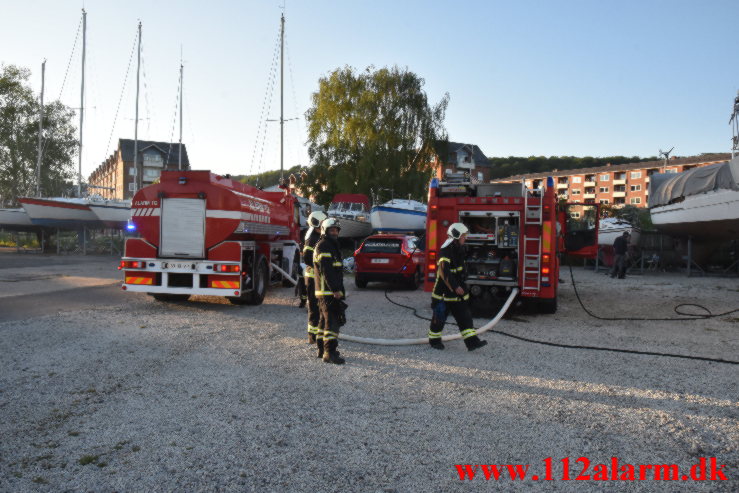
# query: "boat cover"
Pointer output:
{"type": "Point", "coordinates": [666, 188]}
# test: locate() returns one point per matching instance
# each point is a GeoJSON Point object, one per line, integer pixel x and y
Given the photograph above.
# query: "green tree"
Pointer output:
{"type": "Point", "coordinates": [19, 110]}
{"type": "Point", "coordinates": [371, 130]}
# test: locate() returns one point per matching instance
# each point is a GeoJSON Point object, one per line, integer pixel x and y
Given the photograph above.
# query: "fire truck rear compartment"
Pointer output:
{"type": "Point", "coordinates": [492, 248]}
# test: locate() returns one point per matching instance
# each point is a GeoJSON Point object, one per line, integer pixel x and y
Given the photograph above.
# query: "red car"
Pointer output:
{"type": "Point", "coordinates": [389, 258]}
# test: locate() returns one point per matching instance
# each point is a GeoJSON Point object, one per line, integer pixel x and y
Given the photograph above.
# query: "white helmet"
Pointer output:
{"type": "Point", "coordinates": [456, 231]}
{"type": "Point", "coordinates": [316, 218]}
{"type": "Point", "coordinates": [331, 222]}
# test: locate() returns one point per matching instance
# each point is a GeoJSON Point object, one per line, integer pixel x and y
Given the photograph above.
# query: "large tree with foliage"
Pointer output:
{"type": "Point", "coordinates": [371, 130]}
{"type": "Point", "coordinates": [19, 113]}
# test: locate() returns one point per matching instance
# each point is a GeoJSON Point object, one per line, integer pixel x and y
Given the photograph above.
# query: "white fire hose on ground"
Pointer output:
{"type": "Point", "coordinates": [408, 342]}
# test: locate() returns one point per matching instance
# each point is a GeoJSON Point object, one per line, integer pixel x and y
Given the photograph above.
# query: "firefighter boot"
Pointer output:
{"type": "Point", "coordinates": [474, 342]}
{"type": "Point", "coordinates": [311, 338]}
{"type": "Point", "coordinates": [330, 354]}
{"type": "Point", "coordinates": [319, 345]}
{"type": "Point", "coordinates": [436, 343]}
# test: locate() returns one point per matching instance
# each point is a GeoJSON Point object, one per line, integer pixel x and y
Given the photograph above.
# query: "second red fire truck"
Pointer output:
{"type": "Point", "coordinates": [516, 236]}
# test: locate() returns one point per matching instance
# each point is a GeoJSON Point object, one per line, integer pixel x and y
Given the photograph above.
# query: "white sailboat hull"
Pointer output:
{"type": "Point", "coordinates": [710, 215]}
{"type": "Point", "coordinates": [384, 218]}
{"type": "Point", "coordinates": [14, 218]}
{"type": "Point", "coordinates": [113, 214]}
{"type": "Point", "coordinates": [57, 212]}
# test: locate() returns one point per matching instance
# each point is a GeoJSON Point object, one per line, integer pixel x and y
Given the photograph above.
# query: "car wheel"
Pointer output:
{"type": "Point", "coordinates": [415, 281]}
{"type": "Point", "coordinates": [360, 282]}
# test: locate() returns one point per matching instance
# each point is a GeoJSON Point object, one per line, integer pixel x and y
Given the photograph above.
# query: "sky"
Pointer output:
{"type": "Point", "coordinates": [526, 77]}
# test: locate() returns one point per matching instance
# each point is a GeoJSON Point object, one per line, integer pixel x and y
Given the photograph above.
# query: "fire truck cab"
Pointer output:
{"type": "Point", "coordinates": [515, 238]}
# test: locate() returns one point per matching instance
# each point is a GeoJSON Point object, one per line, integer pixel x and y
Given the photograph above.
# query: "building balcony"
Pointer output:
{"type": "Point", "coordinates": [619, 194]}
{"type": "Point", "coordinates": [589, 184]}
{"type": "Point", "coordinates": [562, 185]}
{"type": "Point", "coordinates": [619, 182]}
{"type": "Point", "coordinates": [588, 196]}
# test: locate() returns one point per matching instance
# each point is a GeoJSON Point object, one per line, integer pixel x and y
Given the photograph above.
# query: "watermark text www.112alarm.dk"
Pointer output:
{"type": "Point", "coordinates": [706, 469]}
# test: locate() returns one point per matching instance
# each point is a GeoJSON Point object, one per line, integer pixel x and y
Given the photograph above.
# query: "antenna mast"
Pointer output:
{"type": "Point", "coordinates": [666, 155]}
{"type": "Point", "coordinates": [138, 178]}
{"type": "Point", "coordinates": [282, 82]}
{"type": "Point", "coordinates": [179, 162]}
{"type": "Point", "coordinates": [82, 101]}
{"type": "Point", "coordinates": [40, 132]}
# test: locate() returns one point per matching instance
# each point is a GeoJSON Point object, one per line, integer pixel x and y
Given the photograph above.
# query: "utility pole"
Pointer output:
{"type": "Point", "coordinates": [138, 179]}
{"type": "Point", "coordinates": [82, 101]}
{"type": "Point", "coordinates": [40, 132]}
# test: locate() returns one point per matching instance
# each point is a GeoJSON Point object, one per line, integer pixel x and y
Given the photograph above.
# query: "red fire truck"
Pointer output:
{"type": "Point", "coordinates": [516, 236]}
{"type": "Point", "coordinates": [206, 234]}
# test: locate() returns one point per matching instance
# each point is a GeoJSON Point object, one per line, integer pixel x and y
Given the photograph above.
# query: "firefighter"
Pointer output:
{"type": "Point", "coordinates": [449, 294]}
{"type": "Point", "coordinates": [330, 289]}
{"type": "Point", "coordinates": [311, 239]}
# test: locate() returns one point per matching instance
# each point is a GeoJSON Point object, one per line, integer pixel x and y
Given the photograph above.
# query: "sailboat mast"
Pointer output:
{"type": "Point", "coordinates": [282, 83]}
{"type": "Point", "coordinates": [179, 162]}
{"type": "Point", "coordinates": [138, 178]}
{"type": "Point", "coordinates": [40, 132]}
{"type": "Point", "coordinates": [82, 101]}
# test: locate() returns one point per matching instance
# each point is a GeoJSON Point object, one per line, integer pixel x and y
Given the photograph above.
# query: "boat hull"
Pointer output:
{"type": "Point", "coordinates": [50, 212]}
{"type": "Point", "coordinates": [351, 228]}
{"type": "Point", "coordinates": [13, 218]}
{"type": "Point", "coordinates": [112, 214]}
{"type": "Point", "coordinates": [385, 218]}
{"type": "Point", "coordinates": [708, 216]}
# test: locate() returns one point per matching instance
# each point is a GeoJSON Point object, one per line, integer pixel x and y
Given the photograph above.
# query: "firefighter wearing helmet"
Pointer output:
{"type": "Point", "coordinates": [311, 239]}
{"type": "Point", "coordinates": [450, 294]}
{"type": "Point", "coordinates": [330, 291]}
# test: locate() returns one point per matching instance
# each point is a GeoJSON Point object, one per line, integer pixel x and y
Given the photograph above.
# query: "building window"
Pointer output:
{"type": "Point", "coordinates": [603, 201]}
{"type": "Point", "coordinates": [670, 170]}
{"type": "Point", "coordinates": [635, 174]}
{"type": "Point", "coordinates": [153, 159]}
{"type": "Point", "coordinates": [132, 171]}
{"type": "Point", "coordinates": [635, 200]}
{"type": "Point", "coordinates": [603, 190]}
{"type": "Point", "coordinates": [619, 201]}
{"type": "Point", "coordinates": [131, 187]}
{"type": "Point", "coordinates": [151, 174]}
{"type": "Point", "coordinates": [479, 175]}
{"type": "Point", "coordinates": [635, 188]}
{"type": "Point", "coordinates": [576, 192]}
{"type": "Point", "coordinates": [577, 179]}
{"type": "Point", "coordinates": [605, 178]}
{"type": "Point", "coordinates": [619, 188]}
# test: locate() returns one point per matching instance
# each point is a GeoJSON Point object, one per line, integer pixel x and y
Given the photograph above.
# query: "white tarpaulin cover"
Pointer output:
{"type": "Point", "coordinates": [666, 188]}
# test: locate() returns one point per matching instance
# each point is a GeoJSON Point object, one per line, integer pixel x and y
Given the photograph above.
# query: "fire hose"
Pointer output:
{"type": "Point", "coordinates": [424, 340]}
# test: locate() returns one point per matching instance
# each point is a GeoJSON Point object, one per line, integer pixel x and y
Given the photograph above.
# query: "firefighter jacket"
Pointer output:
{"type": "Point", "coordinates": [308, 250]}
{"type": "Point", "coordinates": [329, 270]}
{"type": "Point", "coordinates": [450, 273]}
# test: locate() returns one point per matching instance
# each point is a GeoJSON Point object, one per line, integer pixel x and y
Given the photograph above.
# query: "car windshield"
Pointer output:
{"type": "Point", "coordinates": [381, 246]}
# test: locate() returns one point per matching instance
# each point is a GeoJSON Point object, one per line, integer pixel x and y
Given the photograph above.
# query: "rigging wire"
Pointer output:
{"type": "Point", "coordinates": [123, 90]}
{"type": "Point", "coordinates": [267, 95]}
{"type": "Point", "coordinates": [174, 118]}
{"type": "Point", "coordinates": [299, 124]}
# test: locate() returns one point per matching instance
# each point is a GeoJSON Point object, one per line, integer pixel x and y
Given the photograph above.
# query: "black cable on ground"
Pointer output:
{"type": "Point", "coordinates": [686, 316]}
{"type": "Point", "coordinates": [593, 348]}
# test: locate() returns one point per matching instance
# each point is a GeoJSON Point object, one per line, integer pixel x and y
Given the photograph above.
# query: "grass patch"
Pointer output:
{"type": "Point", "coordinates": [88, 459]}
{"type": "Point", "coordinates": [120, 445]}
{"type": "Point", "coordinates": [101, 464]}
{"type": "Point", "coordinates": [73, 433]}
{"type": "Point", "coordinates": [135, 448]}
{"type": "Point", "coordinates": [40, 480]}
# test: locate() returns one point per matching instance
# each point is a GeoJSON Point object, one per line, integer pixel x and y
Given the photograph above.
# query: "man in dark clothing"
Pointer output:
{"type": "Point", "coordinates": [620, 249]}
{"type": "Point", "coordinates": [311, 239]}
{"type": "Point", "coordinates": [329, 272]}
{"type": "Point", "coordinates": [449, 294]}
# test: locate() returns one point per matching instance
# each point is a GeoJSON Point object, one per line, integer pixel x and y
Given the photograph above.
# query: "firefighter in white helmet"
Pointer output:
{"type": "Point", "coordinates": [330, 291]}
{"type": "Point", "coordinates": [450, 293]}
{"type": "Point", "coordinates": [311, 239]}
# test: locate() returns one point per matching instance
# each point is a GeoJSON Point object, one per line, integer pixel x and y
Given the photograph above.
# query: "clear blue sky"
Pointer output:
{"type": "Point", "coordinates": [525, 77]}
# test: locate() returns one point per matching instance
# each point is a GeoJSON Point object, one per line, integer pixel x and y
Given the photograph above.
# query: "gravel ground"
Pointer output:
{"type": "Point", "coordinates": [205, 396]}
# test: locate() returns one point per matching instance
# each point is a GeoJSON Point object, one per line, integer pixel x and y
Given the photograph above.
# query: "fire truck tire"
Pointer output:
{"type": "Point", "coordinates": [547, 305]}
{"type": "Point", "coordinates": [261, 278]}
{"type": "Point", "coordinates": [293, 271]}
{"type": "Point", "coordinates": [360, 282]}
{"type": "Point", "coordinates": [415, 281]}
{"type": "Point", "coordinates": [169, 297]}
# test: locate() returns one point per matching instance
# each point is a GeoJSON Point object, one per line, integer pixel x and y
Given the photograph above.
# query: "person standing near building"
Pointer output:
{"type": "Point", "coordinates": [311, 239]}
{"type": "Point", "coordinates": [450, 294]}
{"type": "Point", "coordinates": [620, 250]}
{"type": "Point", "coordinates": [330, 291]}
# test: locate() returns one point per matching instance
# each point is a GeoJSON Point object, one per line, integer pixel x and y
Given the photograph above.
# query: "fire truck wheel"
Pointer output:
{"type": "Point", "coordinates": [360, 282]}
{"type": "Point", "coordinates": [547, 305]}
{"type": "Point", "coordinates": [415, 281]}
{"type": "Point", "coordinates": [169, 297]}
{"type": "Point", "coordinates": [261, 275]}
